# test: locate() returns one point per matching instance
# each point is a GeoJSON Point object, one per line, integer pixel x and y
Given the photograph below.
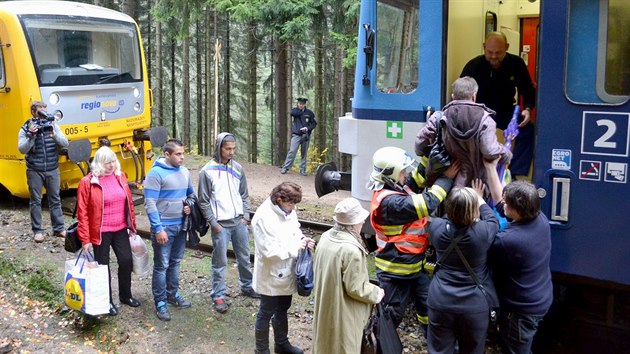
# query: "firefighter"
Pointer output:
{"type": "Point", "coordinates": [399, 216]}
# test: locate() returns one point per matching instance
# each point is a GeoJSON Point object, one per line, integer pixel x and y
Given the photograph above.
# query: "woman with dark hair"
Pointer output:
{"type": "Point", "coordinates": [278, 239]}
{"type": "Point", "coordinates": [106, 217]}
{"type": "Point", "coordinates": [459, 302]}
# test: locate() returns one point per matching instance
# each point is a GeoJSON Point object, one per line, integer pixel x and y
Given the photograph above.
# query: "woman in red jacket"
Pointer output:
{"type": "Point", "coordinates": [106, 218]}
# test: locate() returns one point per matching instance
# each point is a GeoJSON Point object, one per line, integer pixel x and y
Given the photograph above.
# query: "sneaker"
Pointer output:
{"type": "Point", "coordinates": [283, 171]}
{"type": "Point", "coordinates": [220, 306]}
{"type": "Point", "coordinates": [303, 173]}
{"type": "Point", "coordinates": [60, 233]}
{"type": "Point", "coordinates": [162, 311]}
{"type": "Point", "coordinates": [39, 237]}
{"type": "Point", "coordinates": [250, 293]}
{"type": "Point", "coordinates": [178, 301]}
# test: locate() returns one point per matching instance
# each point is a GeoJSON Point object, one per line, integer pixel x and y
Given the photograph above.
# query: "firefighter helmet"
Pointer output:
{"type": "Point", "coordinates": [387, 164]}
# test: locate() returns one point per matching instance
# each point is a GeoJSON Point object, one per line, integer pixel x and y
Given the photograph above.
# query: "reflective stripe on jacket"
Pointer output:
{"type": "Point", "coordinates": [400, 248]}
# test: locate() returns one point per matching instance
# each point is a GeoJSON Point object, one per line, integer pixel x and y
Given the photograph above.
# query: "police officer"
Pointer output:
{"type": "Point", "coordinates": [303, 123]}
{"type": "Point", "coordinates": [399, 217]}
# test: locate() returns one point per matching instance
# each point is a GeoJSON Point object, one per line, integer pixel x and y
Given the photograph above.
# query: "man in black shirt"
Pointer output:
{"type": "Point", "coordinates": [302, 124]}
{"type": "Point", "coordinates": [499, 75]}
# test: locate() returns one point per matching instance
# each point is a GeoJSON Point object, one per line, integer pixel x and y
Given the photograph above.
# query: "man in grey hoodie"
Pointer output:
{"type": "Point", "coordinates": [469, 135]}
{"type": "Point", "coordinates": [224, 202]}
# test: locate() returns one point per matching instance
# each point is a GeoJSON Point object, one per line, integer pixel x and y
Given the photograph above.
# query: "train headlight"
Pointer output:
{"type": "Point", "coordinates": [136, 107]}
{"type": "Point", "coordinates": [103, 116]}
{"type": "Point", "coordinates": [53, 99]}
{"type": "Point", "coordinates": [136, 93]}
{"type": "Point", "coordinates": [58, 115]}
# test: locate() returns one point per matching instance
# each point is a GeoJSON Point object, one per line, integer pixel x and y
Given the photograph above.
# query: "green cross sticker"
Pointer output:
{"type": "Point", "coordinates": [394, 130]}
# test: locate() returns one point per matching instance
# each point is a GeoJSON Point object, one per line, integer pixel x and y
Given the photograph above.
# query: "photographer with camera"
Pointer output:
{"type": "Point", "coordinates": [38, 139]}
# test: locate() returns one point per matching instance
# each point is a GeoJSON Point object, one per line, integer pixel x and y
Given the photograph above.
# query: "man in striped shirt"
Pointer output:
{"type": "Point", "coordinates": [166, 187]}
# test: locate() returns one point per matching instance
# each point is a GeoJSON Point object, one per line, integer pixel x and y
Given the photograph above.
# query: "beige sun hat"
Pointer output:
{"type": "Point", "coordinates": [350, 212]}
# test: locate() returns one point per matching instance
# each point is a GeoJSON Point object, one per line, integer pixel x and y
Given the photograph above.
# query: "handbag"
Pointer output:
{"type": "Point", "coordinates": [72, 243]}
{"type": "Point", "coordinates": [304, 273]}
{"type": "Point", "coordinates": [86, 285]}
{"type": "Point", "coordinates": [140, 256]}
{"type": "Point", "coordinates": [439, 159]}
{"type": "Point", "coordinates": [368, 338]}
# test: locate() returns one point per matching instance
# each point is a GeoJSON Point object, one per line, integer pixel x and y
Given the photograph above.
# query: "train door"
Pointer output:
{"type": "Point", "coordinates": [583, 135]}
{"type": "Point", "coordinates": [398, 81]}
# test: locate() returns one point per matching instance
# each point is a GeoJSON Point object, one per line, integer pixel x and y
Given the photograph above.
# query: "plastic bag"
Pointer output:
{"type": "Point", "coordinates": [304, 273]}
{"type": "Point", "coordinates": [86, 285]}
{"type": "Point", "coordinates": [140, 256]}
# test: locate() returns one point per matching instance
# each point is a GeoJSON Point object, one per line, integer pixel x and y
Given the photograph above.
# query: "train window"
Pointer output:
{"type": "Point", "coordinates": [83, 51]}
{"type": "Point", "coordinates": [397, 46]}
{"type": "Point", "coordinates": [602, 75]}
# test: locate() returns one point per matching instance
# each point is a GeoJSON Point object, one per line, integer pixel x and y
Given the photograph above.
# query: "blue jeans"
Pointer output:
{"type": "Point", "coordinates": [36, 181]}
{"type": "Point", "coordinates": [297, 141]}
{"type": "Point", "coordinates": [517, 332]}
{"type": "Point", "coordinates": [166, 261]}
{"type": "Point", "coordinates": [239, 235]}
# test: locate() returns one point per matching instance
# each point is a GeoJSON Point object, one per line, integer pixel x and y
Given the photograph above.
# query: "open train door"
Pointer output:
{"type": "Point", "coordinates": [398, 80]}
{"type": "Point", "coordinates": [583, 135]}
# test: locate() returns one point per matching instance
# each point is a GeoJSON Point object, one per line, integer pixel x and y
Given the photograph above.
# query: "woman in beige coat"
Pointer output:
{"type": "Point", "coordinates": [278, 239]}
{"type": "Point", "coordinates": [343, 293]}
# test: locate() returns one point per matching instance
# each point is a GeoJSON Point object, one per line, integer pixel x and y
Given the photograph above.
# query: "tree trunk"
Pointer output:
{"type": "Point", "coordinates": [281, 112]}
{"type": "Point", "coordinates": [130, 7]}
{"type": "Point", "coordinates": [227, 81]}
{"type": "Point", "coordinates": [173, 89]}
{"type": "Point", "coordinates": [200, 98]}
{"type": "Point", "coordinates": [320, 96]}
{"type": "Point", "coordinates": [186, 91]}
{"type": "Point", "coordinates": [338, 103]}
{"type": "Point", "coordinates": [252, 80]}
{"type": "Point", "coordinates": [210, 19]}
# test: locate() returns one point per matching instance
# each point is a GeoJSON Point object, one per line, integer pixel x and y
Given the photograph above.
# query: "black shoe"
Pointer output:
{"type": "Point", "coordinates": [131, 302]}
{"type": "Point", "coordinates": [287, 348]}
{"type": "Point", "coordinates": [250, 293]}
{"type": "Point", "coordinates": [112, 310]}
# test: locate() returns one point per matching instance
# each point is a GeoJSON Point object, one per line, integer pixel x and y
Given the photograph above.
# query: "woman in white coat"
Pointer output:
{"type": "Point", "coordinates": [278, 239]}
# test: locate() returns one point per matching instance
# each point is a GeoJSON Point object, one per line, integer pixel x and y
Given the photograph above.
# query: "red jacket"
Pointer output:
{"type": "Point", "coordinates": [90, 208]}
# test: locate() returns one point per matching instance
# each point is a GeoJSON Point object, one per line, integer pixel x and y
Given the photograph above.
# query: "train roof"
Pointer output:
{"type": "Point", "coordinates": [62, 8]}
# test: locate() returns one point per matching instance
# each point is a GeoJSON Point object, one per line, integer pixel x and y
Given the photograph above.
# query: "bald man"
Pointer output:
{"type": "Point", "coordinates": [500, 75]}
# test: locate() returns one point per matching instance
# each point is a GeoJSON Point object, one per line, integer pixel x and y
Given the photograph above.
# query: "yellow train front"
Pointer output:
{"type": "Point", "coordinates": [87, 64]}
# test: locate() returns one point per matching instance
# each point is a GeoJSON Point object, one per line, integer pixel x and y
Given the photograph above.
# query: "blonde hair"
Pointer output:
{"type": "Point", "coordinates": [462, 206]}
{"type": "Point", "coordinates": [101, 157]}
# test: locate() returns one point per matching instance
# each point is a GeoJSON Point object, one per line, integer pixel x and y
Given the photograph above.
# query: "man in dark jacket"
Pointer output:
{"type": "Point", "coordinates": [303, 123]}
{"type": "Point", "coordinates": [38, 139]}
{"type": "Point", "coordinates": [499, 75]}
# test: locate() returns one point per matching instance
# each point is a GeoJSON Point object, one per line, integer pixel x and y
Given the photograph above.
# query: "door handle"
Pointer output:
{"type": "Point", "coordinates": [561, 192]}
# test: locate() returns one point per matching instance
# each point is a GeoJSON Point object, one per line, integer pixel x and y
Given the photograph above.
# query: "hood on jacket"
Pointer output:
{"type": "Point", "coordinates": [464, 118]}
{"type": "Point", "coordinates": [161, 162]}
{"type": "Point", "coordinates": [217, 147]}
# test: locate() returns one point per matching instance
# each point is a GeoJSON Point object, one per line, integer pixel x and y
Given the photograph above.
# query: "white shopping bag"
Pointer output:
{"type": "Point", "coordinates": [86, 286]}
{"type": "Point", "coordinates": [140, 253]}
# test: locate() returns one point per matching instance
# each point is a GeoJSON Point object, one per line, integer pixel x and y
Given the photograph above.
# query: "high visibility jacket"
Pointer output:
{"type": "Point", "coordinates": [400, 248]}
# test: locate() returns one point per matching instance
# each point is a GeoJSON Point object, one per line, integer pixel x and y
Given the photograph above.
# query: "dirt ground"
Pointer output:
{"type": "Point", "coordinates": [32, 318]}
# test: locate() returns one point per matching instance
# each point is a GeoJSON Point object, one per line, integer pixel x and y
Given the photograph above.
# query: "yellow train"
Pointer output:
{"type": "Point", "coordinates": [87, 64]}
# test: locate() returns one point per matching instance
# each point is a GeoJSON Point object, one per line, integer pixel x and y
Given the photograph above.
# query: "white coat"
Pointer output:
{"type": "Point", "coordinates": [277, 239]}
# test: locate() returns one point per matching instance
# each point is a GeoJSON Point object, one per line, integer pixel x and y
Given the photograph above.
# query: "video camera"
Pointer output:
{"type": "Point", "coordinates": [45, 121]}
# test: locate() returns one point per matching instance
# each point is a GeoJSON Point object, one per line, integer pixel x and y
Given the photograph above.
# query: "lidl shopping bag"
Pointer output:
{"type": "Point", "coordinates": [86, 286]}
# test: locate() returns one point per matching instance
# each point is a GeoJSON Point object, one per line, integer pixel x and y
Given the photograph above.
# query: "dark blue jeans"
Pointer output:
{"type": "Point", "coordinates": [166, 261]}
{"type": "Point", "coordinates": [517, 332]}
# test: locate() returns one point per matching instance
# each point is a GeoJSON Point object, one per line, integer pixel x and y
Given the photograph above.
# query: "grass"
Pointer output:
{"type": "Point", "coordinates": [32, 281]}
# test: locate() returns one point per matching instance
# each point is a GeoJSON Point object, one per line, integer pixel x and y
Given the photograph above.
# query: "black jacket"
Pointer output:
{"type": "Point", "coordinates": [194, 222]}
